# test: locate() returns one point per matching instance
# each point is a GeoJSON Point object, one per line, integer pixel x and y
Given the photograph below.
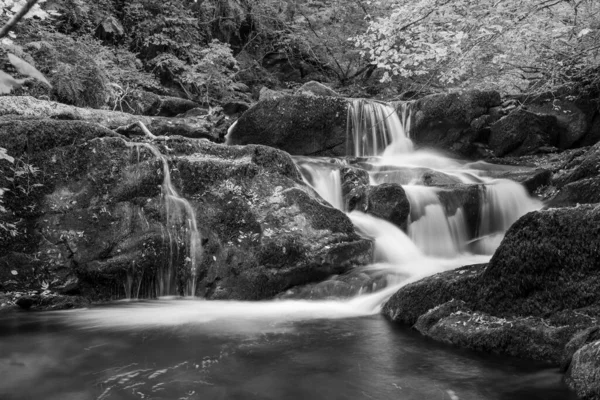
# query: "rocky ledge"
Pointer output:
{"type": "Point", "coordinates": [90, 215]}
{"type": "Point", "coordinates": [538, 298]}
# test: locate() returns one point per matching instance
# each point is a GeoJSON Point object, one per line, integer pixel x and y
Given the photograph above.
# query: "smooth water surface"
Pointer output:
{"type": "Point", "coordinates": [191, 349]}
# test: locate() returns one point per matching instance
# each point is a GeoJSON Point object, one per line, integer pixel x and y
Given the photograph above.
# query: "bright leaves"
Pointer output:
{"type": "Point", "coordinates": [501, 44]}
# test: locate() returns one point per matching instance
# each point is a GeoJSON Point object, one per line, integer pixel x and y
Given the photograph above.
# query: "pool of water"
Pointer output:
{"type": "Point", "coordinates": [187, 349]}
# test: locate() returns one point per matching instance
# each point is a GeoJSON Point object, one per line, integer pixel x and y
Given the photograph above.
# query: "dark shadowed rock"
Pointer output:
{"type": "Point", "coordinates": [523, 132]}
{"type": "Point", "coordinates": [574, 120]}
{"type": "Point", "coordinates": [415, 299]}
{"type": "Point", "coordinates": [300, 125]}
{"type": "Point", "coordinates": [388, 201]}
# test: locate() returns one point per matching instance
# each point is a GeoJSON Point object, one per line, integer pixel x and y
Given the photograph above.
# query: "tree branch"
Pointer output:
{"type": "Point", "coordinates": [16, 18]}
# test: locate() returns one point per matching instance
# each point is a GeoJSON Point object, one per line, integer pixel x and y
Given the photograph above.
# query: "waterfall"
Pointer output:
{"type": "Point", "coordinates": [373, 127]}
{"type": "Point", "coordinates": [502, 203]}
{"type": "Point", "coordinates": [436, 230]}
{"type": "Point", "coordinates": [324, 178]}
{"type": "Point", "coordinates": [179, 212]}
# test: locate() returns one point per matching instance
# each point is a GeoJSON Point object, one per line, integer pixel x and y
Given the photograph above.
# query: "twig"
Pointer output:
{"type": "Point", "coordinates": [16, 18]}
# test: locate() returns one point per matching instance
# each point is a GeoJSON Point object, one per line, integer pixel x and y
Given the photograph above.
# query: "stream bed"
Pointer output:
{"type": "Point", "coordinates": [193, 349]}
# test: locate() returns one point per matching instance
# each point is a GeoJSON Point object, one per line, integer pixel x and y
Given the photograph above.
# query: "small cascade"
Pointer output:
{"type": "Point", "coordinates": [391, 244]}
{"type": "Point", "coordinates": [430, 228]}
{"type": "Point", "coordinates": [373, 127]}
{"type": "Point", "coordinates": [325, 179]}
{"type": "Point", "coordinates": [502, 203]}
{"type": "Point", "coordinates": [179, 212]}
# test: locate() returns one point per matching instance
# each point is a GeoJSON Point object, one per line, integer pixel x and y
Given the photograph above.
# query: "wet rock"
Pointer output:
{"type": "Point", "coordinates": [583, 375]}
{"type": "Point", "coordinates": [316, 89]}
{"type": "Point", "coordinates": [415, 299]}
{"type": "Point", "coordinates": [455, 323]}
{"type": "Point", "coordinates": [547, 262]}
{"type": "Point", "coordinates": [355, 185]}
{"type": "Point", "coordinates": [523, 132]}
{"type": "Point", "coordinates": [388, 201]}
{"type": "Point", "coordinates": [299, 125]}
{"type": "Point", "coordinates": [98, 225]}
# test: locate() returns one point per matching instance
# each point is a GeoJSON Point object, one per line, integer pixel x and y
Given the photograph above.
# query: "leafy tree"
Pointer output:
{"type": "Point", "coordinates": [503, 44]}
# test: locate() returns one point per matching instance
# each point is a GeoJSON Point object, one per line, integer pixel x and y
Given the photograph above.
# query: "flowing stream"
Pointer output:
{"type": "Point", "coordinates": [175, 348]}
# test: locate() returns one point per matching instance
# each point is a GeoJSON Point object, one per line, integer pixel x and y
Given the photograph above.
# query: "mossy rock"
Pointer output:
{"type": "Point", "coordinates": [299, 125]}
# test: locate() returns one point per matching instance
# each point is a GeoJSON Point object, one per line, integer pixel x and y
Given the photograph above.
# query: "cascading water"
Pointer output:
{"type": "Point", "coordinates": [438, 237]}
{"type": "Point", "coordinates": [324, 179]}
{"type": "Point", "coordinates": [179, 212]}
{"type": "Point", "coordinates": [373, 127]}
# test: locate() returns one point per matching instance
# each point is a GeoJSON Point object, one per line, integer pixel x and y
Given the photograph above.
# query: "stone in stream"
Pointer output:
{"type": "Point", "coordinates": [539, 289]}
{"type": "Point", "coordinates": [97, 218]}
{"type": "Point", "coordinates": [388, 201]}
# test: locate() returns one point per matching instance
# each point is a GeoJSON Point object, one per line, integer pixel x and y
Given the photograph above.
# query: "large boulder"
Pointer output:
{"type": "Point", "coordinates": [95, 217]}
{"type": "Point", "coordinates": [532, 338]}
{"type": "Point", "coordinates": [299, 125]}
{"type": "Point", "coordinates": [523, 132]}
{"type": "Point", "coordinates": [415, 299]}
{"type": "Point", "coordinates": [548, 261]}
{"type": "Point", "coordinates": [540, 288]}
{"type": "Point", "coordinates": [455, 122]}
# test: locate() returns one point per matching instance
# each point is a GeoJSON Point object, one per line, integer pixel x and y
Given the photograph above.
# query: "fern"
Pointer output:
{"type": "Point", "coordinates": [68, 87]}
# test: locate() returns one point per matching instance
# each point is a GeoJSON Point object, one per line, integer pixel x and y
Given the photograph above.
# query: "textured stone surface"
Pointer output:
{"type": "Point", "coordinates": [299, 125]}
{"type": "Point", "coordinates": [96, 223]}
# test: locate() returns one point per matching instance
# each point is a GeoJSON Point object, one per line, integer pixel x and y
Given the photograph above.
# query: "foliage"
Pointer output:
{"type": "Point", "coordinates": [20, 176]}
{"type": "Point", "coordinates": [314, 33]}
{"type": "Point", "coordinates": [210, 77]}
{"type": "Point", "coordinates": [502, 44]}
{"type": "Point", "coordinates": [158, 26]}
{"type": "Point", "coordinates": [86, 73]}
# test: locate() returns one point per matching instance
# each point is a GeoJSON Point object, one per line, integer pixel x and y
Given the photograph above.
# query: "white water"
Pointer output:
{"type": "Point", "coordinates": [374, 127]}
{"type": "Point", "coordinates": [435, 242]}
{"type": "Point", "coordinates": [179, 212]}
